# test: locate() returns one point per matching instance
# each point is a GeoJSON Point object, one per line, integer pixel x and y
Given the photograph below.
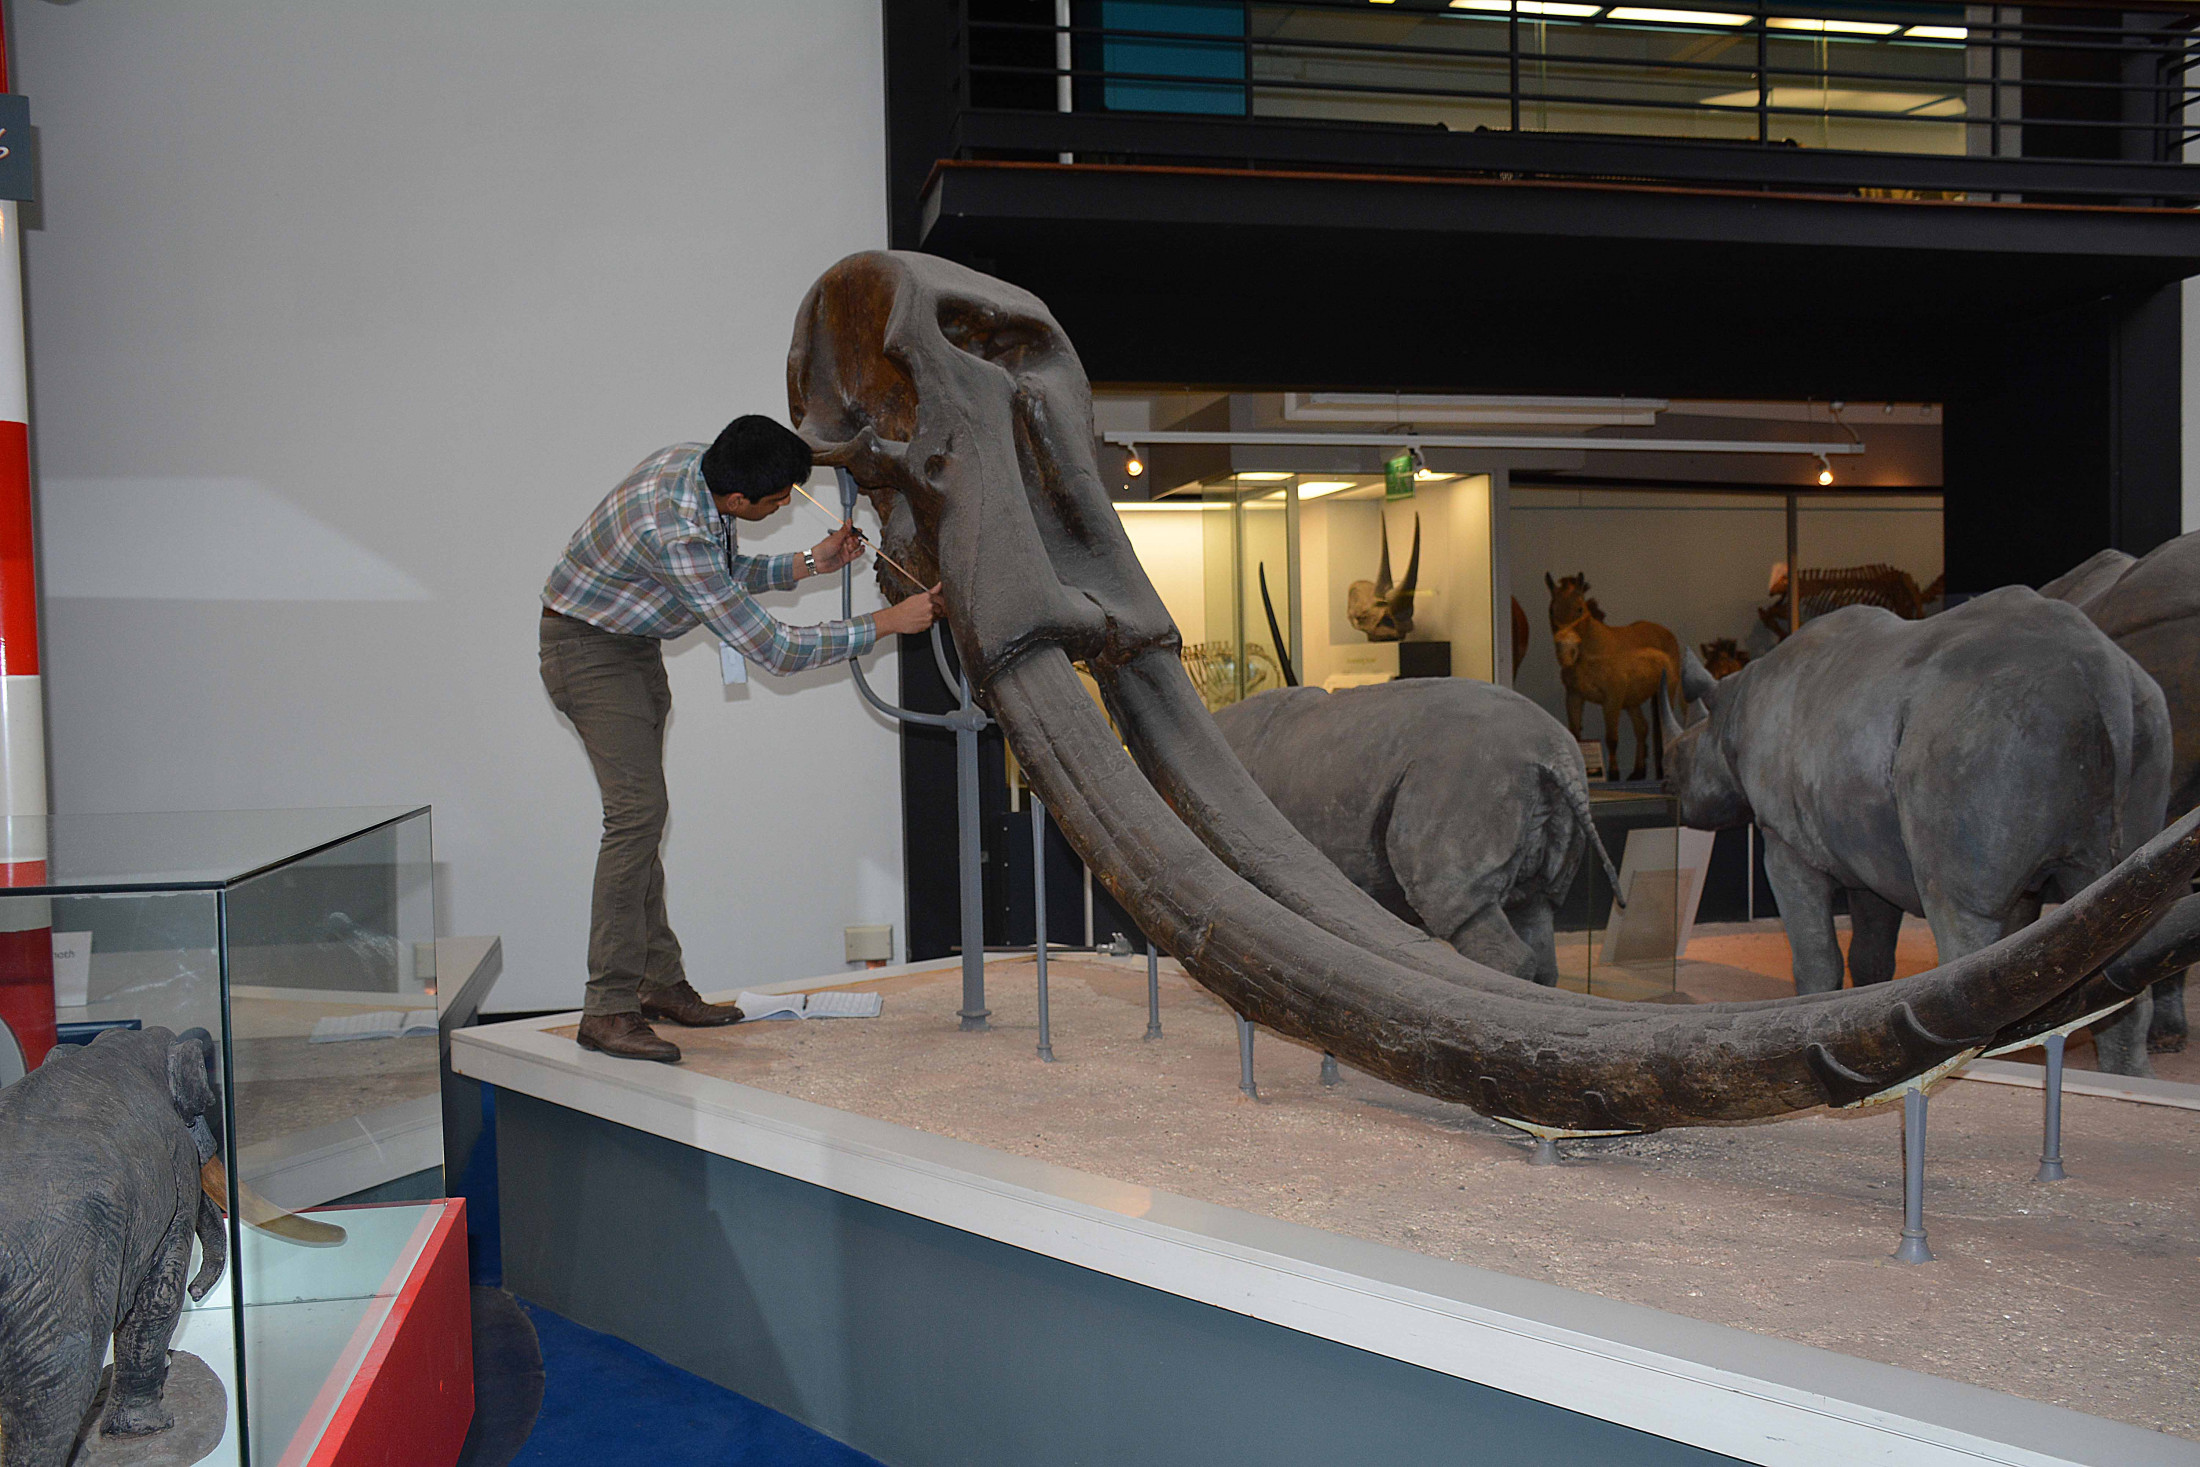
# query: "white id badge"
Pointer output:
{"type": "Point", "coordinates": [732, 666]}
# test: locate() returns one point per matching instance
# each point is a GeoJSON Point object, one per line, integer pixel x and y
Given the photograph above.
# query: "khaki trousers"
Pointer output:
{"type": "Point", "coordinates": [613, 687]}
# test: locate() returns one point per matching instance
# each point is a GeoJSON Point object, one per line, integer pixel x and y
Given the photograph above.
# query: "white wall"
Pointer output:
{"type": "Point", "coordinates": [343, 316]}
{"type": "Point", "coordinates": [1171, 545]}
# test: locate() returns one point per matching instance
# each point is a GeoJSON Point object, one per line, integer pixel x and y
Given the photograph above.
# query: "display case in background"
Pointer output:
{"type": "Point", "coordinates": [303, 941]}
{"type": "Point", "coordinates": [1633, 949]}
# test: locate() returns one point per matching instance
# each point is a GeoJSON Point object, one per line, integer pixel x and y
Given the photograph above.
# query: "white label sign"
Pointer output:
{"type": "Point", "coordinates": [72, 969]}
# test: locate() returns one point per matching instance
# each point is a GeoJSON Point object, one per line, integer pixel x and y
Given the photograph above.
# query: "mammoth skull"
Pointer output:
{"type": "Point", "coordinates": [959, 406]}
{"type": "Point", "coordinates": [1384, 611]}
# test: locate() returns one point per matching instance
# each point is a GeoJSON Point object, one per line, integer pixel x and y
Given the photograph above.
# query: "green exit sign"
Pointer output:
{"type": "Point", "coordinates": [1398, 477]}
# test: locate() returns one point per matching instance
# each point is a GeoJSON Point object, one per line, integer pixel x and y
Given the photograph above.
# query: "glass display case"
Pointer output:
{"type": "Point", "coordinates": [1632, 948]}
{"type": "Point", "coordinates": [302, 941]}
{"type": "Point", "coordinates": [1275, 577]}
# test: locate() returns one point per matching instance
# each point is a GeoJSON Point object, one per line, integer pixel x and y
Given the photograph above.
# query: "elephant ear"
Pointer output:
{"type": "Point", "coordinates": [191, 1088]}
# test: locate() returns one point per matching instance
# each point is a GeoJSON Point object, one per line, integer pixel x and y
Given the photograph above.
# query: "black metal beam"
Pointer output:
{"type": "Point", "coordinates": [964, 200]}
{"type": "Point", "coordinates": [1268, 143]}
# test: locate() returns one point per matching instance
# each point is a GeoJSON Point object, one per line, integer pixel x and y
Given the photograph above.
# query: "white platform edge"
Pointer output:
{"type": "Point", "coordinates": [2174, 1093]}
{"type": "Point", "coordinates": [1749, 1396]}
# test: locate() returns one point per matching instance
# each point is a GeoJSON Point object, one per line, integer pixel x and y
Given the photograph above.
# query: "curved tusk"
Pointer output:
{"type": "Point", "coordinates": [1502, 1046]}
{"type": "Point", "coordinates": [2167, 948]}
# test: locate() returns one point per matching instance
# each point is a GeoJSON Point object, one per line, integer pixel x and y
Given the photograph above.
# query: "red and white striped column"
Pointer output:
{"type": "Point", "coordinates": [26, 923]}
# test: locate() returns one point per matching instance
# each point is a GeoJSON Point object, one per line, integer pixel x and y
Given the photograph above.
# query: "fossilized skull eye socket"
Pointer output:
{"type": "Point", "coordinates": [987, 332]}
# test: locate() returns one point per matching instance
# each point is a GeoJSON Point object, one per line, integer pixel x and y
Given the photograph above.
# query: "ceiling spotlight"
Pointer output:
{"type": "Point", "coordinates": [1825, 471]}
{"type": "Point", "coordinates": [1134, 465]}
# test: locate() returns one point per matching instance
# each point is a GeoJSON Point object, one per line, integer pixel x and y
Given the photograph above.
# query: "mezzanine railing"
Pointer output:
{"type": "Point", "coordinates": [2077, 101]}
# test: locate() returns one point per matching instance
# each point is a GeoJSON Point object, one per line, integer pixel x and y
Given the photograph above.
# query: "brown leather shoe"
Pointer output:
{"type": "Point", "coordinates": [681, 1004]}
{"type": "Point", "coordinates": [625, 1036]}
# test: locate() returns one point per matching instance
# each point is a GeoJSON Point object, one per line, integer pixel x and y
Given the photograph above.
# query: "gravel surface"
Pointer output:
{"type": "Point", "coordinates": [2085, 1294]}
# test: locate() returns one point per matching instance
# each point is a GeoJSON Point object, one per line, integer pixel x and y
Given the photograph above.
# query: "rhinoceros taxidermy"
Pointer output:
{"type": "Point", "coordinates": [1384, 611]}
{"type": "Point", "coordinates": [1960, 768]}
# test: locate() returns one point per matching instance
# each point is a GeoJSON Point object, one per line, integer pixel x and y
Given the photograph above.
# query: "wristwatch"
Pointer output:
{"type": "Point", "coordinates": [809, 561]}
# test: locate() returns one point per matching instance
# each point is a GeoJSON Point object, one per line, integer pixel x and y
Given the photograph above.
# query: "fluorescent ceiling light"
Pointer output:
{"type": "Point", "coordinates": [1529, 7]}
{"type": "Point", "coordinates": [1939, 32]}
{"type": "Point", "coordinates": [1836, 27]}
{"type": "Point", "coordinates": [1262, 476]}
{"type": "Point", "coordinates": [1180, 506]}
{"type": "Point", "coordinates": [1316, 488]}
{"type": "Point", "coordinates": [1676, 17]}
{"type": "Point", "coordinates": [1838, 99]}
{"type": "Point", "coordinates": [1430, 476]}
{"type": "Point", "coordinates": [1423, 409]}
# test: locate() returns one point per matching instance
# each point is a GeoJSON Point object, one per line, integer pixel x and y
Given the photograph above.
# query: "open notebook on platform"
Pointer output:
{"type": "Point", "coordinates": [756, 1006]}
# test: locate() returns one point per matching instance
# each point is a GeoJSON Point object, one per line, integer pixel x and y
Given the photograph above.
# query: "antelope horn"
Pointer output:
{"type": "Point", "coordinates": [1413, 564]}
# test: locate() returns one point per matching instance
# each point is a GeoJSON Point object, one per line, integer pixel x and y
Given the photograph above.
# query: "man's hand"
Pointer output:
{"type": "Point", "coordinates": [840, 548]}
{"type": "Point", "coordinates": [911, 616]}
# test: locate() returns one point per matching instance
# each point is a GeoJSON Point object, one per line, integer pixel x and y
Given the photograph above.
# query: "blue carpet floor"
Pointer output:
{"type": "Point", "coordinates": [607, 1404]}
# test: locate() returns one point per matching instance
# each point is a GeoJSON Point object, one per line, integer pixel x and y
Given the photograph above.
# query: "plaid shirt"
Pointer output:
{"type": "Point", "coordinates": [656, 559]}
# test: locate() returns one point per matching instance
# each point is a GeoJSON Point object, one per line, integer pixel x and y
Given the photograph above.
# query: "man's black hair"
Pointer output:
{"type": "Point", "coordinates": [755, 458]}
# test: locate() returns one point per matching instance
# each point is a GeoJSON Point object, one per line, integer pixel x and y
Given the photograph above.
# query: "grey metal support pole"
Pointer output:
{"type": "Point", "coordinates": [1245, 1059]}
{"type": "Point", "coordinates": [1795, 572]}
{"type": "Point", "coordinates": [1039, 918]}
{"type": "Point", "coordinates": [1913, 1249]}
{"type": "Point", "coordinates": [2051, 1163]}
{"type": "Point", "coordinates": [973, 1011]}
{"type": "Point", "coordinates": [966, 721]}
{"type": "Point", "coordinates": [1329, 1069]}
{"type": "Point", "coordinates": [1545, 1153]}
{"type": "Point", "coordinates": [1153, 991]}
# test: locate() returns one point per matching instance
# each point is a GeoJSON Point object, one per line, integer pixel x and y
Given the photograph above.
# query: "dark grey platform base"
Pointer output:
{"type": "Point", "coordinates": [194, 1395]}
{"type": "Point", "coordinates": [924, 1345]}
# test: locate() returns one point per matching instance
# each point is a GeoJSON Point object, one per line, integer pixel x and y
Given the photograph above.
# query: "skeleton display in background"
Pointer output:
{"type": "Point", "coordinates": [1384, 611]}
{"type": "Point", "coordinates": [1856, 585]}
{"type": "Point", "coordinates": [960, 407]}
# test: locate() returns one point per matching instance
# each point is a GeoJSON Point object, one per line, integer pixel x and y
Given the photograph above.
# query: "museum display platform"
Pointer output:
{"type": "Point", "coordinates": [867, 1224]}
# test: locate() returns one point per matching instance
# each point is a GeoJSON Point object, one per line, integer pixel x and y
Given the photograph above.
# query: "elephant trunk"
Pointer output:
{"type": "Point", "coordinates": [213, 1246]}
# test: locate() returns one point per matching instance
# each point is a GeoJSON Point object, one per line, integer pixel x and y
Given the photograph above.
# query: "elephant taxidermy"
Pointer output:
{"type": "Point", "coordinates": [1384, 611]}
{"type": "Point", "coordinates": [101, 1148]}
{"type": "Point", "coordinates": [958, 404]}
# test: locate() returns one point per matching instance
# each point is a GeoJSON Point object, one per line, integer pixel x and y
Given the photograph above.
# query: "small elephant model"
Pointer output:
{"type": "Point", "coordinates": [100, 1151]}
{"type": "Point", "coordinates": [1959, 768]}
{"type": "Point", "coordinates": [1459, 805]}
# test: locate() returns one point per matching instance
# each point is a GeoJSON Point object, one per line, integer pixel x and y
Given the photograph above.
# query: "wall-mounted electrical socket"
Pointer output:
{"type": "Point", "coordinates": [873, 944]}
